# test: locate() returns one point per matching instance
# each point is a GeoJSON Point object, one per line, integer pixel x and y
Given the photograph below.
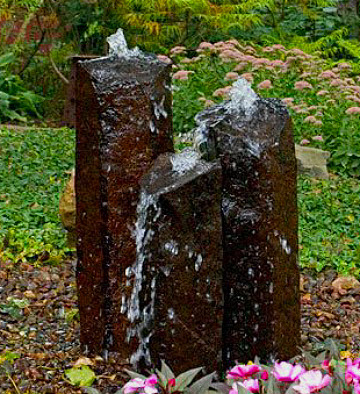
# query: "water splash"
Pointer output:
{"type": "Point", "coordinates": [184, 161]}
{"type": "Point", "coordinates": [118, 46]}
{"type": "Point", "coordinates": [243, 96]}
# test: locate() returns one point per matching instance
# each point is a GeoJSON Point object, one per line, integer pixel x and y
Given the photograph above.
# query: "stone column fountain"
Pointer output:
{"type": "Point", "coordinates": [187, 257]}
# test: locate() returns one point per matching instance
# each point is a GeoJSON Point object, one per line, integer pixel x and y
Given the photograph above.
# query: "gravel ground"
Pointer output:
{"type": "Point", "coordinates": [45, 333]}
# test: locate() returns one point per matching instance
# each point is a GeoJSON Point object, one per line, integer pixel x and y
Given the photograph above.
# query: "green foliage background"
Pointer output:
{"type": "Point", "coordinates": [34, 164]}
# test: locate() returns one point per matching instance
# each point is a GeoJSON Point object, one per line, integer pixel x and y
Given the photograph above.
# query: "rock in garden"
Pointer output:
{"type": "Point", "coordinates": [67, 210]}
{"type": "Point", "coordinates": [253, 139]}
{"type": "Point", "coordinates": [312, 162]}
{"type": "Point", "coordinates": [123, 123]}
{"type": "Point", "coordinates": [344, 283]}
{"type": "Point", "coordinates": [175, 306]}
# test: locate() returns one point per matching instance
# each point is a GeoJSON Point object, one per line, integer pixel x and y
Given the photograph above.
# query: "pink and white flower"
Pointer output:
{"type": "Point", "coordinates": [286, 372]}
{"type": "Point", "coordinates": [243, 371]}
{"type": "Point", "coordinates": [251, 385]}
{"type": "Point", "coordinates": [312, 382]}
{"type": "Point", "coordinates": [142, 386]}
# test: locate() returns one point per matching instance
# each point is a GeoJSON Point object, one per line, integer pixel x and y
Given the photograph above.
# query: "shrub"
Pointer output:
{"type": "Point", "coordinates": [16, 102]}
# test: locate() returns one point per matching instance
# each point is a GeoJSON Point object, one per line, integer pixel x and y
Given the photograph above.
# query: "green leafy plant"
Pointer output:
{"type": "Point", "coordinates": [80, 376]}
{"type": "Point", "coordinates": [166, 382]}
{"type": "Point", "coordinates": [14, 307]}
{"type": "Point", "coordinates": [33, 171]}
{"type": "Point", "coordinates": [15, 101]}
{"type": "Point", "coordinates": [7, 360]}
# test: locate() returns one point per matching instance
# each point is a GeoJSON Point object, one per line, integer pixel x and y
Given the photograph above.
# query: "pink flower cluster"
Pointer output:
{"type": "Point", "coordinates": [352, 374]}
{"type": "Point", "coordinates": [307, 382]}
{"type": "Point", "coordinates": [254, 379]}
{"type": "Point", "coordinates": [142, 386]}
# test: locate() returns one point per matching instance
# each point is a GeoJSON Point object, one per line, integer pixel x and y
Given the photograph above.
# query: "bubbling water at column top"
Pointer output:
{"type": "Point", "coordinates": [118, 46]}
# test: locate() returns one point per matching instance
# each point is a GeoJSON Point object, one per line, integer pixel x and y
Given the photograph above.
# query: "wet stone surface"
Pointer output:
{"type": "Point", "coordinates": [176, 305]}
{"type": "Point", "coordinates": [253, 139]}
{"type": "Point", "coordinates": [124, 121]}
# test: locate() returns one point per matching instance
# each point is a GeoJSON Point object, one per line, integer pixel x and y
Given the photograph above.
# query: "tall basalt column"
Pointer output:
{"type": "Point", "coordinates": [123, 123]}
{"type": "Point", "coordinates": [253, 139]}
{"type": "Point", "coordinates": [176, 304]}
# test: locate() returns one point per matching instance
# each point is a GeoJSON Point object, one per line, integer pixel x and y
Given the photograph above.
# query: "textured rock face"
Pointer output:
{"type": "Point", "coordinates": [69, 116]}
{"type": "Point", "coordinates": [176, 302]}
{"type": "Point", "coordinates": [123, 122]}
{"type": "Point", "coordinates": [254, 141]}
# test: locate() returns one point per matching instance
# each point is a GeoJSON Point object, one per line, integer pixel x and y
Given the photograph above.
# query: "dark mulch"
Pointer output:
{"type": "Point", "coordinates": [48, 342]}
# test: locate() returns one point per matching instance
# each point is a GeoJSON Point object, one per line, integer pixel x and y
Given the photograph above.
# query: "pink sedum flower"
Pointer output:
{"type": "Point", "coordinates": [301, 85]}
{"type": "Point", "coordinates": [248, 76]}
{"type": "Point", "coordinates": [240, 66]}
{"type": "Point", "coordinates": [265, 84]}
{"type": "Point", "coordinates": [142, 386]}
{"type": "Point", "coordinates": [288, 101]}
{"type": "Point", "coordinates": [182, 75]}
{"type": "Point", "coordinates": [206, 45]}
{"type": "Point", "coordinates": [243, 371]}
{"type": "Point", "coordinates": [353, 110]}
{"type": "Point", "coordinates": [178, 50]}
{"type": "Point", "coordinates": [344, 66]}
{"type": "Point", "coordinates": [312, 382]}
{"type": "Point", "coordinates": [318, 138]}
{"type": "Point", "coordinates": [222, 92]}
{"type": "Point", "coordinates": [286, 372]}
{"type": "Point", "coordinates": [336, 82]}
{"type": "Point", "coordinates": [231, 76]}
{"type": "Point", "coordinates": [322, 92]}
{"type": "Point", "coordinates": [304, 142]}
{"type": "Point", "coordinates": [328, 74]}
{"type": "Point", "coordinates": [310, 119]}
{"type": "Point", "coordinates": [164, 59]}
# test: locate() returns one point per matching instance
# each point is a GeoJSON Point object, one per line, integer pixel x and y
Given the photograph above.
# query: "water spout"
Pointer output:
{"type": "Point", "coordinates": [118, 46]}
{"type": "Point", "coordinates": [242, 96]}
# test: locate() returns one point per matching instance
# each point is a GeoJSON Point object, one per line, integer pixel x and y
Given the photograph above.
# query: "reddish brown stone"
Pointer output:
{"type": "Point", "coordinates": [254, 142]}
{"type": "Point", "coordinates": [69, 116]}
{"type": "Point", "coordinates": [123, 122]}
{"type": "Point", "coordinates": [176, 308]}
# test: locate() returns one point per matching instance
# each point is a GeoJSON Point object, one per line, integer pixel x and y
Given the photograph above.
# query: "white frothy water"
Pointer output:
{"type": "Point", "coordinates": [284, 244]}
{"type": "Point", "coordinates": [184, 161]}
{"type": "Point", "coordinates": [243, 96]}
{"type": "Point", "coordinates": [141, 317]}
{"type": "Point", "coordinates": [159, 109]}
{"type": "Point", "coordinates": [198, 262]}
{"type": "Point", "coordinates": [118, 46]}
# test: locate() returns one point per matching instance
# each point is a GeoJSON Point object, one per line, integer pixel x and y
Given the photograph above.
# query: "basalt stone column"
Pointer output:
{"type": "Point", "coordinates": [69, 116]}
{"type": "Point", "coordinates": [123, 123]}
{"type": "Point", "coordinates": [254, 140]}
{"type": "Point", "coordinates": [176, 303]}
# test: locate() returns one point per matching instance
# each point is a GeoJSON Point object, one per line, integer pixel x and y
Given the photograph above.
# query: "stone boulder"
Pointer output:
{"type": "Point", "coordinates": [312, 162]}
{"type": "Point", "coordinates": [67, 210]}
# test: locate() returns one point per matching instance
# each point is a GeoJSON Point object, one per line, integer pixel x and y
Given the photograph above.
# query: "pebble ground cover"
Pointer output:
{"type": "Point", "coordinates": [324, 101]}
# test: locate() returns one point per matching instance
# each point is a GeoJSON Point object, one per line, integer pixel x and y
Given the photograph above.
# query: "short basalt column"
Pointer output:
{"type": "Point", "coordinates": [254, 140]}
{"type": "Point", "coordinates": [176, 303]}
{"type": "Point", "coordinates": [123, 123]}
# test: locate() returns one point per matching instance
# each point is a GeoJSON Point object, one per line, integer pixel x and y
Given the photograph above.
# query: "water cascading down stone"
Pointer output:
{"type": "Point", "coordinates": [123, 123]}
{"type": "Point", "coordinates": [176, 305]}
{"type": "Point", "coordinates": [253, 139]}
